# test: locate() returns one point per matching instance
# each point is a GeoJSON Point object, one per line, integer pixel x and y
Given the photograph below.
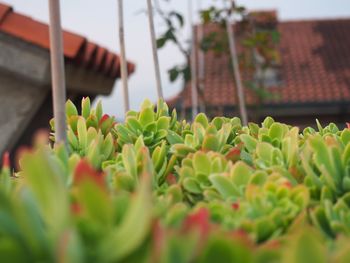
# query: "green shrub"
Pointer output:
{"type": "Point", "coordinates": [155, 189]}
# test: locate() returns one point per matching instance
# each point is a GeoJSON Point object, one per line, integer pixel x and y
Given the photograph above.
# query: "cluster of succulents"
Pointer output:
{"type": "Point", "coordinates": [156, 189]}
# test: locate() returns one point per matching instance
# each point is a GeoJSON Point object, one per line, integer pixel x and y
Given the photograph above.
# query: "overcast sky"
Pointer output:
{"type": "Point", "coordinates": [97, 20]}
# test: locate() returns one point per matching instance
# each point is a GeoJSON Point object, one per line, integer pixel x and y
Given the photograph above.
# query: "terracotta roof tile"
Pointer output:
{"type": "Point", "coordinates": [4, 11]}
{"type": "Point", "coordinates": [37, 33]}
{"type": "Point", "coordinates": [264, 18]}
{"type": "Point", "coordinates": [89, 54]}
{"type": "Point", "coordinates": [76, 48]}
{"type": "Point", "coordinates": [116, 67]}
{"type": "Point", "coordinates": [131, 67]}
{"type": "Point", "coordinates": [100, 59]}
{"type": "Point", "coordinates": [315, 67]}
{"type": "Point", "coordinates": [109, 62]}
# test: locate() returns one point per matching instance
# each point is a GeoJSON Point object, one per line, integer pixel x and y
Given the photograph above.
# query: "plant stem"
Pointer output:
{"type": "Point", "coordinates": [57, 72]}
{"type": "Point", "coordinates": [124, 69]}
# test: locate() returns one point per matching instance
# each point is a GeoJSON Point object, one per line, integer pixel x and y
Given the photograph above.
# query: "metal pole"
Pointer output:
{"type": "Point", "coordinates": [236, 73]}
{"type": "Point", "coordinates": [154, 49]}
{"type": "Point", "coordinates": [57, 71]}
{"type": "Point", "coordinates": [194, 91]}
{"type": "Point", "coordinates": [124, 69]}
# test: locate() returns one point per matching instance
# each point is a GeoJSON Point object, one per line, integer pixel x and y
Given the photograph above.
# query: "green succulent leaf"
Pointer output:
{"type": "Point", "coordinates": [201, 163]}
{"type": "Point", "coordinates": [211, 143]}
{"type": "Point", "coordinates": [71, 110]}
{"type": "Point", "coordinates": [129, 160]}
{"type": "Point", "coordinates": [202, 119]}
{"type": "Point", "coordinates": [191, 185]}
{"type": "Point", "coordinates": [224, 185]}
{"type": "Point", "coordinates": [146, 117]}
{"type": "Point", "coordinates": [132, 228]}
{"type": "Point", "coordinates": [82, 134]}
{"type": "Point", "coordinates": [249, 142]}
{"type": "Point", "coordinates": [85, 107]}
{"type": "Point", "coordinates": [241, 174]}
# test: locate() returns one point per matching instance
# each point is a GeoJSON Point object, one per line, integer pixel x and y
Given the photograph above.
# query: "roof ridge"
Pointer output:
{"type": "Point", "coordinates": [317, 19]}
{"type": "Point", "coordinates": [298, 20]}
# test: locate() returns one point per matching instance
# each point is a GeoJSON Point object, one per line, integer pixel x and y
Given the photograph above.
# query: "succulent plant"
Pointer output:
{"type": "Point", "coordinates": [217, 136]}
{"type": "Point", "coordinates": [326, 161]}
{"type": "Point", "coordinates": [333, 219]}
{"type": "Point", "coordinates": [155, 189]}
{"type": "Point", "coordinates": [153, 126]}
{"type": "Point", "coordinates": [44, 219]}
{"type": "Point", "coordinates": [89, 134]}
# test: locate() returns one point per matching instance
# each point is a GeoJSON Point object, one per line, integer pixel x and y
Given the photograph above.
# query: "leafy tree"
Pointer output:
{"type": "Point", "coordinates": [175, 23]}
{"type": "Point", "coordinates": [259, 41]}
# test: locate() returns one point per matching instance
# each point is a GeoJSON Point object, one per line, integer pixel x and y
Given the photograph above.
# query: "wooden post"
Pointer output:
{"type": "Point", "coordinates": [236, 72]}
{"type": "Point", "coordinates": [194, 86]}
{"type": "Point", "coordinates": [124, 68]}
{"type": "Point", "coordinates": [154, 49]}
{"type": "Point", "coordinates": [57, 72]}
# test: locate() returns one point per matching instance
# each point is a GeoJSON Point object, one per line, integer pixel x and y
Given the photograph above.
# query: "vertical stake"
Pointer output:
{"type": "Point", "coordinates": [154, 49]}
{"type": "Point", "coordinates": [124, 68]}
{"type": "Point", "coordinates": [236, 72]}
{"type": "Point", "coordinates": [194, 91]}
{"type": "Point", "coordinates": [57, 72]}
{"type": "Point", "coordinates": [201, 65]}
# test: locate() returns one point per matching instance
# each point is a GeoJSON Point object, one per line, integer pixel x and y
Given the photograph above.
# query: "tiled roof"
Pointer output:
{"type": "Point", "coordinates": [76, 48]}
{"type": "Point", "coordinates": [315, 67]}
